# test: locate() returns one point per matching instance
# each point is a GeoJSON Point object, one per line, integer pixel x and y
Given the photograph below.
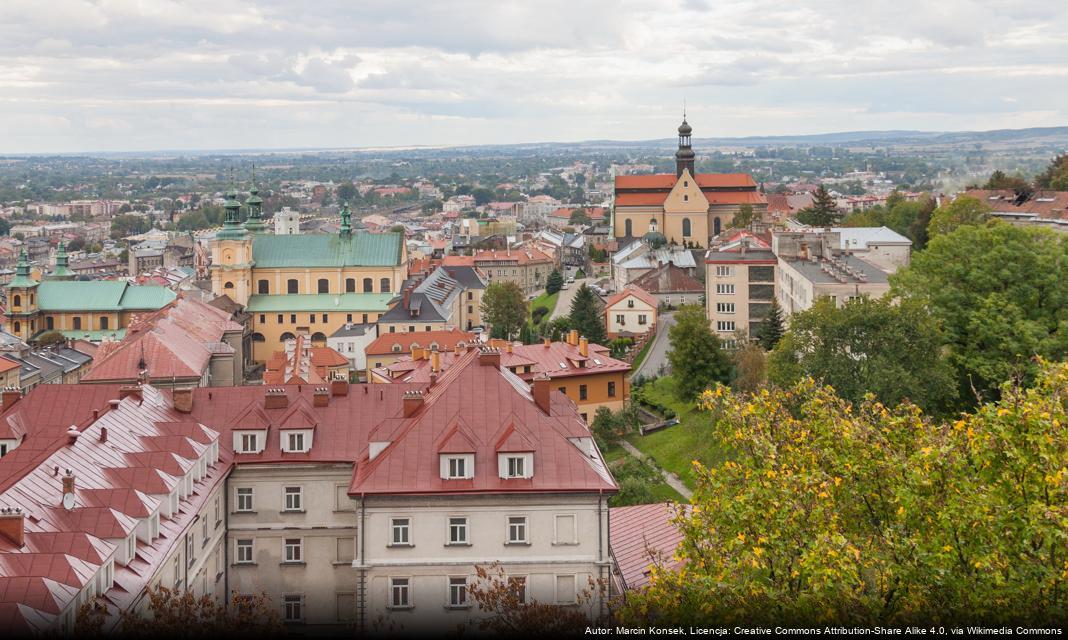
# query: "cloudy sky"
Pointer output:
{"type": "Point", "coordinates": [104, 75]}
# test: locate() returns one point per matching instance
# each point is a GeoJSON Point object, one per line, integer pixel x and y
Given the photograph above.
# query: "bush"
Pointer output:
{"type": "Point", "coordinates": [538, 314]}
{"type": "Point", "coordinates": [636, 479]}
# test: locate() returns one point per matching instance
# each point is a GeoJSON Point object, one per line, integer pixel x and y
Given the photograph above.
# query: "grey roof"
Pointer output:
{"type": "Point", "coordinates": [468, 277]}
{"type": "Point", "coordinates": [847, 267]}
{"type": "Point", "coordinates": [638, 255]}
{"type": "Point", "coordinates": [431, 299]}
{"type": "Point", "coordinates": [738, 256]}
{"type": "Point", "coordinates": [349, 330]}
{"type": "Point", "coordinates": [861, 237]}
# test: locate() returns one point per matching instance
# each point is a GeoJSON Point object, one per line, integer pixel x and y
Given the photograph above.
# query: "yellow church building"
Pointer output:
{"type": "Point", "coordinates": [688, 208]}
{"type": "Point", "coordinates": [303, 284]}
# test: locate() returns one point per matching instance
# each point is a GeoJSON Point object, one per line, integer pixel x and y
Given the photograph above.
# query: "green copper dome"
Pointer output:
{"type": "Point", "coordinates": [232, 229]}
{"type": "Point", "coordinates": [22, 279]}
{"type": "Point", "coordinates": [62, 270]}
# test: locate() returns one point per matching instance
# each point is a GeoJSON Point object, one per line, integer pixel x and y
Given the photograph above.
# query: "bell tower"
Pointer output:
{"type": "Point", "coordinates": [22, 310]}
{"type": "Point", "coordinates": [231, 254]}
{"type": "Point", "coordinates": [684, 157]}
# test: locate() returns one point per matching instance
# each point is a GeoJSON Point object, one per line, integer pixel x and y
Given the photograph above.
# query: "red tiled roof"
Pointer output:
{"type": "Point", "coordinates": [595, 213]}
{"type": "Point", "coordinates": [669, 278]}
{"type": "Point", "coordinates": [1050, 205]}
{"type": "Point", "coordinates": [628, 291]}
{"type": "Point", "coordinates": [641, 536]}
{"type": "Point", "coordinates": [523, 255]}
{"type": "Point", "coordinates": [713, 197]}
{"type": "Point", "coordinates": [385, 343]}
{"type": "Point", "coordinates": [300, 362]}
{"type": "Point", "coordinates": [704, 180]}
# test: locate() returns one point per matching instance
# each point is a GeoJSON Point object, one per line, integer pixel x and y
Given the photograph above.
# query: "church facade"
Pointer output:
{"type": "Point", "coordinates": [303, 284]}
{"type": "Point", "coordinates": [688, 208]}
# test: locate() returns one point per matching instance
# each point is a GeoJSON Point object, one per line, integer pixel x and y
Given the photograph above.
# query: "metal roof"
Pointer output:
{"type": "Point", "coordinates": [320, 302]}
{"type": "Point", "coordinates": [321, 250]}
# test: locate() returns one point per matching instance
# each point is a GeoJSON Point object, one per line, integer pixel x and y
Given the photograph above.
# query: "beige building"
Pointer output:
{"type": "Point", "coordinates": [630, 312]}
{"type": "Point", "coordinates": [810, 265]}
{"type": "Point", "coordinates": [525, 266]}
{"type": "Point", "coordinates": [740, 287]}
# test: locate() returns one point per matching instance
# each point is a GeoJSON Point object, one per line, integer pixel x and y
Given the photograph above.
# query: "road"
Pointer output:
{"type": "Point", "coordinates": [563, 301]}
{"type": "Point", "coordinates": [657, 356]}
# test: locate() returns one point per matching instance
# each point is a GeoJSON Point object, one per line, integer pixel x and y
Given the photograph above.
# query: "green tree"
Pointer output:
{"type": "Point", "coordinates": [557, 328]}
{"type": "Point", "coordinates": [128, 225]}
{"type": "Point", "coordinates": [482, 196]}
{"type": "Point", "coordinates": [823, 212]}
{"type": "Point", "coordinates": [587, 315]}
{"type": "Point", "coordinates": [1000, 180]}
{"type": "Point", "coordinates": [743, 218]}
{"type": "Point", "coordinates": [868, 346]}
{"type": "Point", "coordinates": [50, 337]}
{"type": "Point", "coordinates": [748, 367]}
{"type": "Point", "coordinates": [696, 356]}
{"type": "Point", "coordinates": [347, 192]}
{"type": "Point", "coordinates": [999, 295]}
{"type": "Point", "coordinates": [1055, 176]}
{"type": "Point", "coordinates": [554, 282]}
{"type": "Point", "coordinates": [504, 307]}
{"type": "Point", "coordinates": [770, 331]}
{"type": "Point", "coordinates": [917, 231]}
{"type": "Point", "coordinates": [579, 216]}
{"type": "Point", "coordinates": [832, 512]}
{"type": "Point", "coordinates": [964, 210]}
{"type": "Point", "coordinates": [5, 227]}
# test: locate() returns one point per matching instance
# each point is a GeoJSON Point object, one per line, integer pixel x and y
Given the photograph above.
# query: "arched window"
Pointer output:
{"type": "Point", "coordinates": [228, 285]}
{"type": "Point", "coordinates": [396, 348]}
{"type": "Point", "coordinates": [715, 227]}
{"type": "Point", "coordinates": [103, 324]}
{"type": "Point", "coordinates": [368, 285]}
{"type": "Point", "coordinates": [18, 301]}
{"type": "Point", "coordinates": [258, 337]}
{"type": "Point", "coordinates": [287, 336]}
{"type": "Point", "coordinates": [18, 327]}
{"type": "Point", "coordinates": [350, 285]}
{"type": "Point", "coordinates": [291, 285]}
{"type": "Point", "coordinates": [324, 285]}
{"type": "Point", "coordinates": [652, 225]}
{"type": "Point", "coordinates": [686, 227]}
{"type": "Point", "coordinates": [318, 339]}
{"type": "Point", "coordinates": [384, 285]}
{"type": "Point", "coordinates": [263, 287]}
{"type": "Point", "coordinates": [628, 228]}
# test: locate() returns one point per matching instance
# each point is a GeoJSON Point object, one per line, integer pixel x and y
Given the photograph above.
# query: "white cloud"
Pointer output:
{"type": "Point", "coordinates": [126, 74]}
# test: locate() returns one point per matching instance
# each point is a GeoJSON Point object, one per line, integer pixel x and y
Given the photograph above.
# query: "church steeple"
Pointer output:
{"type": "Point", "coordinates": [62, 270]}
{"type": "Point", "coordinates": [346, 220]}
{"type": "Point", "coordinates": [684, 157]}
{"type": "Point", "coordinates": [232, 229]}
{"type": "Point", "coordinates": [254, 224]}
{"type": "Point", "coordinates": [22, 279]}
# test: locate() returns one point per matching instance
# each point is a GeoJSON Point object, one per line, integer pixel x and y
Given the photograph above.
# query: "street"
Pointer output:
{"type": "Point", "coordinates": [657, 356]}
{"type": "Point", "coordinates": [563, 301]}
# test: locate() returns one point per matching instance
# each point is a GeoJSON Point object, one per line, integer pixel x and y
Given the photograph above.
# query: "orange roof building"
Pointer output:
{"type": "Point", "coordinates": [688, 208]}
{"type": "Point", "coordinates": [301, 362]}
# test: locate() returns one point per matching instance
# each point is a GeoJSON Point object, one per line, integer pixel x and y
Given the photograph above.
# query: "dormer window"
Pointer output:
{"type": "Point", "coordinates": [249, 443]}
{"type": "Point", "coordinates": [630, 303]}
{"type": "Point", "coordinates": [457, 466]}
{"type": "Point", "coordinates": [296, 441]}
{"type": "Point", "coordinates": [516, 467]}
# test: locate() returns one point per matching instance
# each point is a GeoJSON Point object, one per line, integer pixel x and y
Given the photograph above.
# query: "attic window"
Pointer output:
{"type": "Point", "coordinates": [563, 366]}
{"type": "Point", "coordinates": [396, 348]}
{"type": "Point", "coordinates": [597, 361]}
{"type": "Point", "coordinates": [249, 443]}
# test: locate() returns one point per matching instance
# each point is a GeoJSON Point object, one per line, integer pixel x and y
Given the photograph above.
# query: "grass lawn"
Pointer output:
{"type": "Point", "coordinates": [662, 490]}
{"type": "Point", "coordinates": [676, 447]}
{"type": "Point", "coordinates": [641, 354]}
{"type": "Point", "coordinates": [547, 300]}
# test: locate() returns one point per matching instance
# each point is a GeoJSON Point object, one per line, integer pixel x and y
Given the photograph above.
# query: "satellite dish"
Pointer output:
{"type": "Point", "coordinates": [68, 501]}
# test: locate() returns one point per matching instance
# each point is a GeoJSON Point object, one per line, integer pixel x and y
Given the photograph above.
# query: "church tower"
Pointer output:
{"type": "Point", "coordinates": [231, 254]}
{"type": "Point", "coordinates": [62, 270]}
{"type": "Point", "coordinates": [22, 310]}
{"type": "Point", "coordinates": [254, 224]}
{"type": "Point", "coordinates": [684, 157]}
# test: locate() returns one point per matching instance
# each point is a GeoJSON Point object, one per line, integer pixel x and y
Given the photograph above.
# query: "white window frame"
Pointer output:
{"type": "Point", "coordinates": [406, 527]}
{"type": "Point", "coordinates": [574, 588]}
{"type": "Point", "coordinates": [240, 547]}
{"type": "Point", "coordinates": [453, 588]}
{"type": "Point", "coordinates": [293, 599]}
{"type": "Point", "coordinates": [513, 527]}
{"type": "Point", "coordinates": [463, 527]}
{"type": "Point", "coordinates": [297, 555]}
{"type": "Point", "coordinates": [725, 326]}
{"type": "Point", "coordinates": [391, 597]}
{"type": "Point", "coordinates": [724, 289]}
{"type": "Point", "coordinates": [572, 536]}
{"type": "Point", "coordinates": [250, 495]}
{"type": "Point", "coordinates": [725, 308]}
{"type": "Point", "coordinates": [526, 586]}
{"type": "Point", "coordinates": [516, 466]}
{"type": "Point", "coordinates": [292, 501]}
{"type": "Point", "coordinates": [724, 271]}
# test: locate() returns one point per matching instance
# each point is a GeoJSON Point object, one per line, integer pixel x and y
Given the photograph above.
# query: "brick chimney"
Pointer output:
{"type": "Point", "coordinates": [548, 342]}
{"type": "Point", "coordinates": [275, 398]}
{"type": "Point", "coordinates": [13, 525]}
{"type": "Point", "coordinates": [339, 386]}
{"type": "Point", "coordinates": [584, 347]}
{"type": "Point", "coordinates": [489, 357]}
{"type": "Point", "coordinates": [10, 396]}
{"type": "Point", "coordinates": [68, 483]}
{"type": "Point", "coordinates": [572, 337]}
{"type": "Point", "coordinates": [321, 398]}
{"type": "Point", "coordinates": [412, 401]}
{"type": "Point", "coordinates": [182, 399]}
{"type": "Point", "coordinates": [542, 393]}
{"type": "Point", "coordinates": [435, 360]}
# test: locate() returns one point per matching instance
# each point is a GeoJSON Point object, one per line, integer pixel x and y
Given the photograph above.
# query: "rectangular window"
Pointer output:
{"type": "Point", "coordinates": [518, 586]}
{"type": "Point", "coordinates": [725, 289]}
{"type": "Point", "coordinates": [249, 442]}
{"type": "Point", "coordinates": [243, 552]}
{"type": "Point", "coordinates": [611, 389]}
{"type": "Point", "coordinates": [642, 319]}
{"type": "Point", "coordinates": [178, 571]}
{"type": "Point", "coordinates": [204, 530]}
{"type": "Point", "coordinates": [517, 530]}
{"type": "Point", "coordinates": [244, 499]}
{"type": "Point", "coordinates": [565, 529]}
{"type": "Point", "coordinates": [294, 499]}
{"type": "Point", "coordinates": [280, 320]}
{"type": "Point", "coordinates": [457, 467]}
{"type": "Point", "coordinates": [345, 550]}
{"type": "Point", "coordinates": [346, 607]}
{"type": "Point", "coordinates": [582, 392]}
{"type": "Point", "coordinates": [295, 442]}
{"type": "Point", "coordinates": [724, 307]}
{"type": "Point", "coordinates": [724, 271]}
{"type": "Point", "coordinates": [724, 325]}
{"type": "Point", "coordinates": [620, 319]}
{"type": "Point", "coordinates": [458, 592]}
{"type": "Point", "coordinates": [565, 589]}
{"type": "Point", "coordinates": [516, 466]}
{"type": "Point", "coordinates": [293, 607]}
{"type": "Point", "coordinates": [191, 549]}
{"type": "Point", "coordinates": [263, 318]}
{"type": "Point", "coordinates": [218, 512]}
{"type": "Point", "coordinates": [293, 318]}
{"type": "Point", "coordinates": [401, 532]}
{"type": "Point", "coordinates": [294, 550]}
{"type": "Point", "coordinates": [458, 530]}
{"type": "Point", "coordinates": [400, 593]}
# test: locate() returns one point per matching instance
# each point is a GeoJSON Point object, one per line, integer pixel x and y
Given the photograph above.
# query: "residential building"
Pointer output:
{"type": "Point", "coordinates": [448, 297]}
{"type": "Point", "coordinates": [671, 285]}
{"type": "Point", "coordinates": [811, 265]}
{"type": "Point", "coordinates": [881, 246]}
{"type": "Point", "coordinates": [300, 362]}
{"type": "Point", "coordinates": [1044, 208]}
{"type": "Point", "coordinates": [525, 266]}
{"type": "Point", "coordinates": [351, 340]}
{"type": "Point", "coordinates": [630, 312]}
{"type": "Point", "coordinates": [642, 536]}
{"type": "Point", "coordinates": [344, 506]}
{"type": "Point", "coordinates": [740, 280]}
{"type": "Point", "coordinates": [391, 347]}
{"type": "Point", "coordinates": [639, 257]}
{"type": "Point", "coordinates": [687, 208]}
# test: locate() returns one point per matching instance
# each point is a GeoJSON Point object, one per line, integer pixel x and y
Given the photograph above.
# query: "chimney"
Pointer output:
{"type": "Point", "coordinates": [572, 337]}
{"type": "Point", "coordinates": [72, 434]}
{"type": "Point", "coordinates": [128, 391]}
{"type": "Point", "coordinates": [542, 393]}
{"type": "Point", "coordinates": [321, 398]}
{"type": "Point", "coordinates": [415, 352]}
{"type": "Point", "coordinates": [68, 484]}
{"type": "Point", "coordinates": [10, 396]}
{"type": "Point", "coordinates": [275, 398]}
{"type": "Point", "coordinates": [548, 342]}
{"type": "Point", "coordinates": [103, 434]}
{"type": "Point", "coordinates": [182, 399]}
{"type": "Point", "coordinates": [584, 347]}
{"type": "Point", "coordinates": [489, 357]}
{"type": "Point", "coordinates": [435, 360]}
{"type": "Point", "coordinates": [412, 401]}
{"type": "Point", "coordinates": [13, 525]}
{"type": "Point", "coordinates": [508, 346]}
{"type": "Point", "coordinates": [433, 378]}
{"type": "Point", "coordinates": [339, 386]}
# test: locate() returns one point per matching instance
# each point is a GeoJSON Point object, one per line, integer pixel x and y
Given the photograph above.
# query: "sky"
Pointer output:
{"type": "Point", "coordinates": [133, 75]}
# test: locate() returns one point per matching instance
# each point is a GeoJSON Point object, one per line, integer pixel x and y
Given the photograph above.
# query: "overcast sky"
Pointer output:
{"type": "Point", "coordinates": [104, 75]}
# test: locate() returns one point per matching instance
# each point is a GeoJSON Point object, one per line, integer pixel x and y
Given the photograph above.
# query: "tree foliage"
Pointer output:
{"type": "Point", "coordinates": [823, 212]}
{"type": "Point", "coordinates": [893, 351]}
{"type": "Point", "coordinates": [180, 614]}
{"type": "Point", "coordinates": [743, 218]}
{"type": "Point", "coordinates": [554, 282]}
{"type": "Point", "coordinates": [771, 330]}
{"type": "Point", "coordinates": [1055, 176]}
{"type": "Point", "coordinates": [696, 357]}
{"type": "Point", "coordinates": [999, 295]}
{"type": "Point", "coordinates": [587, 315]}
{"type": "Point", "coordinates": [865, 514]}
{"type": "Point", "coordinates": [504, 306]}
{"type": "Point", "coordinates": [508, 607]}
{"type": "Point", "coordinates": [963, 211]}
{"type": "Point", "coordinates": [1001, 180]}
{"type": "Point", "coordinates": [128, 225]}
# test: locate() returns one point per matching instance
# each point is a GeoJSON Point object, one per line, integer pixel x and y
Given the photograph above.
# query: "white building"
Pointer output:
{"type": "Point", "coordinates": [286, 222]}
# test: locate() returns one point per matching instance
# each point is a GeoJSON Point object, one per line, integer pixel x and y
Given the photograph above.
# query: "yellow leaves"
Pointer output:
{"type": "Point", "coordinates": [901, 511]}
{"type": "Point", "coordinates": [823, 494]}
{"type": "Point", "coordinates": [770, 473]}
{"type": "Point", "coordinates": [947, 548]}
{"type": "Point", "coordinates": [758, 551]}
{"type": "Point", "coordinates": [1003, 412]}
{"type": "Point", "coordinates": [837, 481]}
{"type": "Point", "coordinates": [958, 425]}
{"type": "Point", "coordinates": [741, 537]}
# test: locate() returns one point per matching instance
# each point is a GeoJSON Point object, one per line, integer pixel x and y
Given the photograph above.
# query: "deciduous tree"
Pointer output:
{"type": "Point", "coordinates": [964, 210]}
{"type": "Point", "coordinates": [696, 357]}
{"type": "Point", "coordinates": [504, 307]}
